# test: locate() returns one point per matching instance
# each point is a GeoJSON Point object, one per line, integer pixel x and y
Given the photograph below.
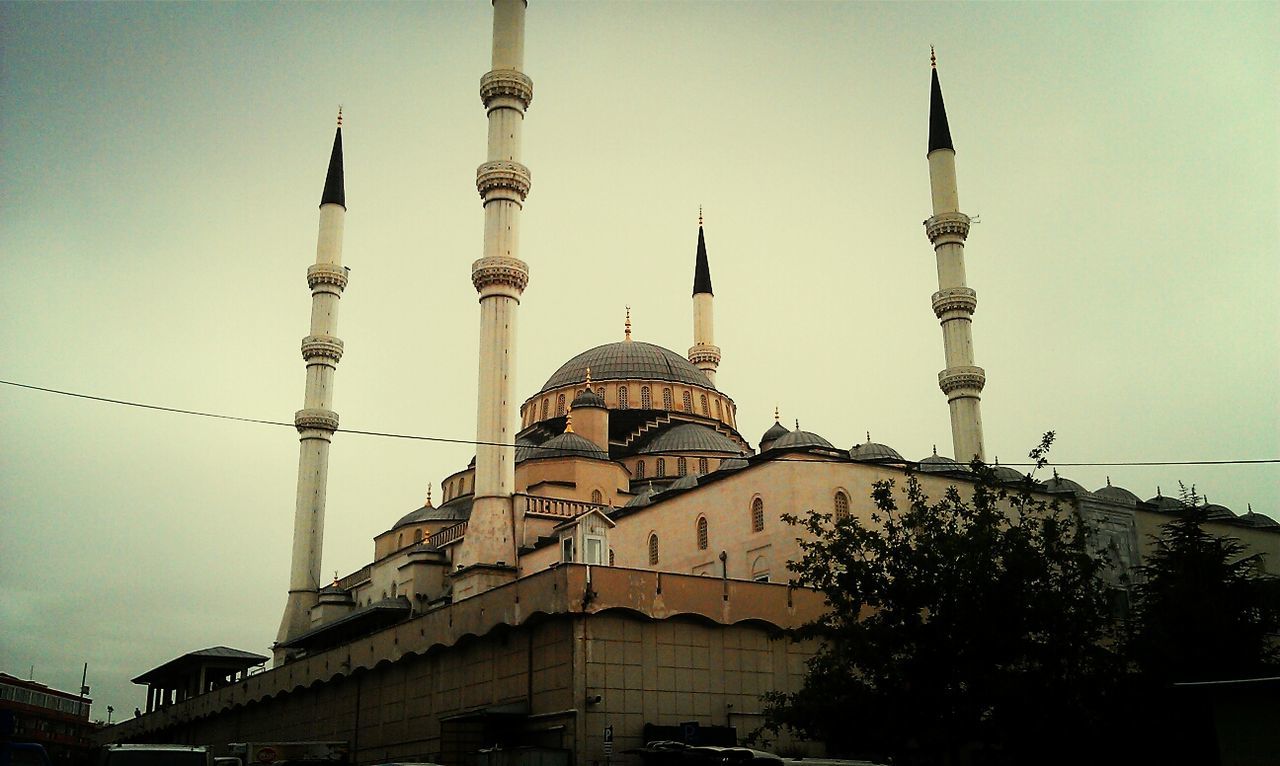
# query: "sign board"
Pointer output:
{"type": "Point", "coordinates": [266, 754]}
{"type": "Point", "coordinates": [608, 740]}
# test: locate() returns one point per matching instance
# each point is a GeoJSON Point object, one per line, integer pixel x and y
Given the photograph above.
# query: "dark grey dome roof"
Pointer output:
{"type": "Point", "coordinates": [690, 437]}
{"type": "Point", "coordinates": [569, 444]}
{"type": "Point", "coordinates": [588, 398]}
{"type": "Point", "coordinates": [874, 452]}
{"type": "Point", "coordinates": [644, 498]}
{"type": "Point", "coordinates": [688, 481]}
{"type": "Point", "coordinates": [627, 359]}
{"type": "Point", "coordinates": [456, 509]}
{"type": "Point", "coordinates": [1216, 512]}
{"type": "Point", "coordinates": [1166, 503]}
{"type": "Point", "coordinates": [732, 464]}
{"type": "Point", "coordinates": [1004, 473]}
{"type": "Point", "coordinates": [1059, 484]}
{"type": "Point", "coordinates": [775, 431]}
{"type": "Point", "coordinates": [936, 463]}
{"type": "Point", "coordinates": [798, 439]}
{"type": "Point", "coordinates": [525, 449]}
{"type": "Point", "coordinates": [1254, 519]}
{"type": "Point", "coordinates": [1117, 494]}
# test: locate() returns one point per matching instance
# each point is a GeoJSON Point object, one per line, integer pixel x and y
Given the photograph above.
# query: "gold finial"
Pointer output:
{"type": "Point", "coordinates": [568, 420]}
{"type": "Point", "coordinates": [335, 577]}
{"type": "Point", "coordinates": [339, 115]}
{"type": "Point", "coordinates": [588, 377]}
{"type": "Point", "coordinates": [428, 493]}
{"type": "Point", "coordinates": [627, 326]}
{"type": "Point", "coordinates": [699, 216]}
{"type": "Point", "coordinates": [775, 413]}
{"type": "Point", "coordinates": [933, 58]}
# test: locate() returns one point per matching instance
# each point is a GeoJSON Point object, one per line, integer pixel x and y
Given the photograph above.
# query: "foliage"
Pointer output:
{"type": "Point", "coordinates": [970, 622]}
{"type": "Point", "coordinates": [1203, 609]}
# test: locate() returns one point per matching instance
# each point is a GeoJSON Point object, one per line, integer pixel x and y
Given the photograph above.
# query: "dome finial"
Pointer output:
{"type": "Point", "coordinates": [868, 437]}
{"type": "Point", "coordinates": [1108, 481]}
{"type": "Point", "coordinates": [428, 494]}
{"type": "Point", "coordinates": [339, 115]}
{"type": "Point", "coordinates": [935, 450]}
{"type": "Point", "coordinates": [797, 424]}
{"type": "Point", "coordinates": [776, 414]}
{"type": "Point", "coordinates": [699, 216]}
{"type": "Point", "coordinates": [933, 58]}
{"type": "Point", "coordinates": [568, 420]}
{"type": "Point", "coordinates": [588, 377]}
{"type": "Point", "coordinates": [627, 326]}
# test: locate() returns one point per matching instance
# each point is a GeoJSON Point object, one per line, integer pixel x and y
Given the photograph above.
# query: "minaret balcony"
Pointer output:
{"type": "Point", "coordinates": [327, 275]}
{"type": "Point", "coordinates": [320, 347]}
{"type": "Point", "coordinates": [703, 354]}
{"type": "Point", "coordinates": [955, 303]}
{"type": "Point", "coordinates": [948, 227]}
{"type": "Point", "coordinates": [962, 381]}
{"type": "Point", "coordinates": [500, 272]}
{"type": "Point", "coordinates": [315, 420]}
{"type": "Point", "coordinates": [503, 179]}
{"type": "Point", "coordinates": [506, 87]}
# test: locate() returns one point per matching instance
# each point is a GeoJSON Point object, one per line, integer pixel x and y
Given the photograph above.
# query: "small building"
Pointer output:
{"type": "Point", "coordinates": [196, 673]}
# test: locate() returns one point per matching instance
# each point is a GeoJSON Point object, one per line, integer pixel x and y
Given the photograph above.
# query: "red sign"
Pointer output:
{"type": "Point", "coordinates": [266, 754]}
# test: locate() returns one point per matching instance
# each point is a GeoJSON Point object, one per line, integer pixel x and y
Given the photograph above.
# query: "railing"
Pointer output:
{"type": "Point", "coordinates": [355, 578]}
{"type": "Point", "coordinates": [446, 535]}
{"type": "Point", "coordinates": [551, 506]}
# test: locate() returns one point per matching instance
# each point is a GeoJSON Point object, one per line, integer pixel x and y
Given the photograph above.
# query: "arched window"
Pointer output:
{"type": "Point", "coordinates": [682, 466]}
{"type": "Point", "coordinates": [610, 557]}
{"type": "Point", "coordinates": [688, 401]}
{"type": "Point", "coordinates": [400, 541]}
{"type": "Point", "coordinates": [842, 505]}
{"type": "Point", "coordinates": [667, 401]}
{"type": "Point", "coordinates": [662, 467]}
{"type": "Point", "coordinates": [702, 465]}
{"type": "Point", "coordinates": [596, 497]}
{"type": "Point", "coordinates": [653, 549]}
{"type": "Point", "coordinates": [393, 590]}
{"type": "Point", "coordinates": [639, 469]}
{"type": "Point", "coordinates": [757, 515]}
{"type": "Point", "coordinates": [559, 405]}
{"type": "Point", "coordinates": [600, 391]}
{"type": "Point", "coordinates": [417, 535]}
{"type": "Point", "coordinates": [646, 402]}
{"type": "Point", "coordinates": [546, 405]}
{"type": "Point", "coordinates": [718, 415]}
{"type": "Point", "coordinates": [463, 484]}
{"type": "Point", "coordinates": [703, 401]}
{"type": "Point", "coordinates": [622, 398]}
{"type": "Point", "coordinates": [702, 533]}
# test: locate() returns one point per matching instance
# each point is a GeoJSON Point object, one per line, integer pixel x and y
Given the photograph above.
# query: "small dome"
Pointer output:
{"type": "Point", "coordinates": [799, 439]}
{"type": "Point", "coordinates": [874, 452]}
{"type": "Point", "coordinates": [525, 449]}
{"type": "Point", "coordinates": [1006, 475]}
{"type": "Point", "coordinates": [690, 437]}
{"type": "Point", "coordinates": [627, 360]}
{"type": "Point", "coordinates": [644, 498]}
{"type": "Point", "coordinates": [1117, 495]}
{"type": "Point", "coordinates": [587, 398]}
{"type": "Point", "coordinates": [569, 444]}
{"type": "Point", "coordinates": [457, 509]}
{"type": "Point", "coordinates": [936, 463]}
{"type": "Point", "coordinates": [1059, 484]}
{"type": "Point", "coordinates": [1216, 512]}
{"type": "Point", "coordinates": [688, 481]}
{"type": "Point", "coordinates": [776, 431]}
{"type": "Point", "coordinates": [1258, 520]}
{"type": "Point", "coordinates": [732, 464]}
{"type": "Point", "coordinates": [1166, 503]}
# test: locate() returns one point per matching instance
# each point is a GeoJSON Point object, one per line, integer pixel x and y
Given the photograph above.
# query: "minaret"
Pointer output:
{"type": "Point", "coordinates": [955, 302]}
{"type": "Point", "coordinates": [317, 421]}
{"type": "Point", "coordinates": [500, 278]}
{"type": "Point", "coordinates": [704, 354]}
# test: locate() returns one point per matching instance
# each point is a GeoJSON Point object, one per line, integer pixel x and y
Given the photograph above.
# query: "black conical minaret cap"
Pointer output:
{"type": "Point", "coordinates": [334, 189]}
{"type": "Point", "coordinates": [701, 270]}
{"type": "Point", "coordinates": [939, 131]}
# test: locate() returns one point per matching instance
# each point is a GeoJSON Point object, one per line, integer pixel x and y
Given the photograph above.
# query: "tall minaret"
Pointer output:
{"type": "Point", "coordinates": [317, 421]}
{"type": "Point", "coordinates": [704, 354]}
{"type": "Point", "coordinates": [954, 303]}
{"type": "Point", "coordinates": [500, 278]}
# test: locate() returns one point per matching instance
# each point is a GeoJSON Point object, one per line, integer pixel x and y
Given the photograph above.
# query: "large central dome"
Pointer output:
{"type": "Point", "coordinates": [627, 360]}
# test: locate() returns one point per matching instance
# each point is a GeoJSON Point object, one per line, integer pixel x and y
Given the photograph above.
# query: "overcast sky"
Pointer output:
{"type": "Point", "coordinates": [162, 163]}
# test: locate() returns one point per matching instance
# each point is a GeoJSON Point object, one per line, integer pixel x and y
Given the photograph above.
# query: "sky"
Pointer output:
{"type": "Point", "coordinates": [162, 163]}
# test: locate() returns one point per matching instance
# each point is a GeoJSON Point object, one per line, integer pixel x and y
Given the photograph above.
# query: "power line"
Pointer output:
{"type": "Point", "coordinates": [447, 440]}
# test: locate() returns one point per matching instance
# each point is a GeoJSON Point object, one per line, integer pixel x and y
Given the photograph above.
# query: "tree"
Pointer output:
{"type": "Point", "coordinates": [1204, 610]}
{"type": "Point", "coordinates": [970, 622]}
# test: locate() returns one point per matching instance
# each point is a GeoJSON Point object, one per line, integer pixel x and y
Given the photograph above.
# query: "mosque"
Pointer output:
{"type": "Point", "coordinates": [614, 557]}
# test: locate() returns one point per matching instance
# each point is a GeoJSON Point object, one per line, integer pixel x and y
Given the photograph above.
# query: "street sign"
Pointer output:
{"type": "Point", "coordinates": [608, 740]}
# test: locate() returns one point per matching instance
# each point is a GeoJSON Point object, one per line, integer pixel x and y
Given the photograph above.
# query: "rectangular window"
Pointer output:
{"type": "Point", "coordinates": [595, 550]}
{"type": "Point", "coordinates": [566, 550]}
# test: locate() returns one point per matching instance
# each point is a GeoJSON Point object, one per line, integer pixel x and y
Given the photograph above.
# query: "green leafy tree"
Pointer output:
{"type": "Point", "coordinates": [1204, 609]}
{"type": "Point", "coordinates": [962, 624]}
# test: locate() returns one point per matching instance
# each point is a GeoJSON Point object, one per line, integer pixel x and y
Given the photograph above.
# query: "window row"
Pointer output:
{"type": "Point", "coordinates": [706, 405]}
{"type": "Point", "coordinates": [660, 468]}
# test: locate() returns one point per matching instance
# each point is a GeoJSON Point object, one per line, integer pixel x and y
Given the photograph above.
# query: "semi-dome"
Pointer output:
{"type": "Point", "coordinates": [569, 444]}
{"type": "Point", "coordinates": [1254, 519]}
{"type": "Point", "coordinates": [732, 464]}
{"type": "Point", "coordinates": [526, 448]}
{"type": "Point", "coordinates": [1059, 484]}
{"type": "Point", "coordinates": [775, 432]}
{"type": "Point", "coordinates": [799, 439]}
{"type": "Point", "coordinates": [627, 360]}
{"type": "Point", "coordinates": [1218, 512]}
{"type": "Point", "coordinates": [1117, 494]}
{"type": "Point", "coordinates": [587, 398]}
{"type": "Point", "coordinates": [874, 452]}
{"type": "Point", "coordinates": [1006, 475]}
{"type": "Point", "coordinates": [690, 437]}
